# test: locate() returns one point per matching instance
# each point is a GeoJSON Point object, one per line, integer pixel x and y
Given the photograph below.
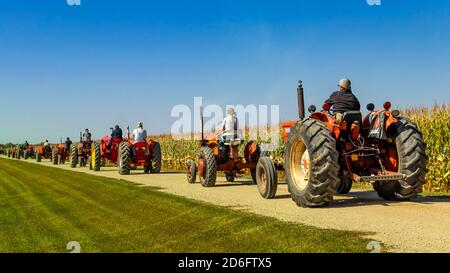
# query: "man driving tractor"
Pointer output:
{"type": "Point", "coordinates": [67, 144]}
{"type": "Point", "coordinates": [228, 130]}
{"type": "Point", "coordinates": [46, 146]}
{"type": "Point", "coordinates": [87, 136]}
{"type": "Point", "coordinates": [343, 100]}
{"type": "Point", "coordinates": [115, 134]}
{"type": "Point", "coordinates": [140, 134]}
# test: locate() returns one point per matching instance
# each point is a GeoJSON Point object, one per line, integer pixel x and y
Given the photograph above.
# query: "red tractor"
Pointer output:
{"type": "Point", "coordinates": [80, 153]}
{"type": "Point", "coordinates": [28, 151]}
{"type": "Point", "coordinates": [101, 152]}
{"type": "Point", "coordinates": [215, 156]}
{"type": "Point", "coordinates": [60, 154]}
{"type": "Point", "coordinates": [324, 156]}
{"type": "Point", "coordinates": [127, 154]}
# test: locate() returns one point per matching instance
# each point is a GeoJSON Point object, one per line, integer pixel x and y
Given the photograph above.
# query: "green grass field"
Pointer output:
{"type": "Point", "coordinates": [43, 208]}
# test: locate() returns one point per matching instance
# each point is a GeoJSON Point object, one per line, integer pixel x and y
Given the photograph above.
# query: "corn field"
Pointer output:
{"type": "Point", "coordinates": [435, 127]}
{"type": "Point", "coordinates": [434, 124]}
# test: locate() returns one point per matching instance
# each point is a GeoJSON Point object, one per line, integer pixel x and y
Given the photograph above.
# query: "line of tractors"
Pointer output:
{"type": "Point", "coordinates": [323, 155]}
{"type": "Point", "coordinates": [125, 153]}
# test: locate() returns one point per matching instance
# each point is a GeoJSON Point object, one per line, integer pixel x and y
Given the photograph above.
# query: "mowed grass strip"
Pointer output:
{"type": "Point", "coordinates": [44, 208]}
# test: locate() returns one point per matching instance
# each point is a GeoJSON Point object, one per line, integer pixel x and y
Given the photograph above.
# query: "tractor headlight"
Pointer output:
{"type": "Point", "coordinates": [395, 113]}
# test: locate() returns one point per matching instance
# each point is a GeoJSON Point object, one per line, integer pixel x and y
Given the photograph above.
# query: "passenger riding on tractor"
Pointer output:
{"type": "Point", "coordinates": [214, 157]}
{"type": "Point", "coordinates": [324, 156]}
{"type": "Point", "coordinates": [80, 153]}
{"type": "Point", "coordinates": [127, 154]}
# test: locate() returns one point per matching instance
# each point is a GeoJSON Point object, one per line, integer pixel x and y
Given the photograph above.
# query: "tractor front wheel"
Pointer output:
{"type": "Point", "coordinates": [266, 177]}
{"type": "Point", "coordinates": [311, 164]}
{"type": "Point", "coordinates": [412, 163]}
{"type": "Point", "coordinates": [124, 158]}
{"type": "Point", "coordinates": [207, 167]}
{"type": "Point", "coordinates": [55, 157]}
{"type": "Point", "coordinates": [230, 177]}
{"type": "Point", "coordinates": [96, 157]}
{"type": "Point", "coordinates": [345, 185]}
{"type": "Point", "coordinates": [191, 171]}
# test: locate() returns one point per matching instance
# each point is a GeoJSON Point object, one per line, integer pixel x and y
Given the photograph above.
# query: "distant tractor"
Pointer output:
{"type": "Point", "coordinates": [9, 152]}
{"type": "Point", "coordinates": [60, 154]}
{"type": "Point", "coordinates": [80, 153]}
{"type": "Point", "coordinates": [44, 152]}
{"type": "Point", "coordinates": [224, 157]}
{"type": "Point", "coordinates": [28, 152]}
{"type": "Point", "coordinates": [324, 156]}
{"type": "Point", "coordinates": [17, 152]}
{"type": "Point", "coordinates": [127, 154]}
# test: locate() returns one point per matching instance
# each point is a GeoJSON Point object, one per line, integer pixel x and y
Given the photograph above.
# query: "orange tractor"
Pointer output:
{"type": "Point", "coordinates": [324, 156]}
{"type": "Point", "coordinates": [45, 152]}
{"type": "Point", "coordinates": [127, 154]}
{"type": "Point", "coordinates": [220, 152]}
{"type": "Point", "coordinates": [80, 153]}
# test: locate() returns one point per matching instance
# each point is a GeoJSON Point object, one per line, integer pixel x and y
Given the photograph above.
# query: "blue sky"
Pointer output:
{"type": "Point", "coordinates": [64, 68]}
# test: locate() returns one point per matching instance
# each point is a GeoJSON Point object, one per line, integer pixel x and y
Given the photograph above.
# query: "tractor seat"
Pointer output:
{"type": "Point", "coordinates": [351, 117]}
{"type": "Point", "coordinates": [231, 139]}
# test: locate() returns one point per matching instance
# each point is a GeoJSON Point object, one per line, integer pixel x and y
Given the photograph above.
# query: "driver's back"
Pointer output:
{"type": "Point", "coordinates": [344, 101]}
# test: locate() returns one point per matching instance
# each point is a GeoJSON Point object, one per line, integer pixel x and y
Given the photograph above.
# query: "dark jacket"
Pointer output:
{"type": "Point", "coordinates": [116, 133]}
{"type": "Point", "coordinates": [344, 101]}
{"type": "Point", "coordinates": [68, 143]}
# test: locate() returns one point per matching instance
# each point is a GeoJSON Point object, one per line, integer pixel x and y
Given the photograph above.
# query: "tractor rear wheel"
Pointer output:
{"type": "Point", "coordinates": [124, 158]}
{"type": "Point", "coordinates": [412, 160]}
{"type": "Point", "coordinates": [207, 167]}
{"type": "Point", "coordinates": [96, 157]}
{"type": "Point", "coordinates": [266, 177]}
{"type": "Point", "coordinates": [73, 156]}
{"type": "Point", "coordinates": [311, 163]}
{"type": "Point", "coordinates": [344, 186]}
{"type": "Point", "coordinates": [191, 171]}
{"type": "Point", "coordinates": [156, 158]}
{"type": "Point", "coordinates": [38, 157]}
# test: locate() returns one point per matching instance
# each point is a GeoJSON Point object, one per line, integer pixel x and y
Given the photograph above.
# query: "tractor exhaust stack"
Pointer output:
{"type": "Point", "coordinates": [300, 100]}
{"type": "Point", "coordinates": [201, 118]}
